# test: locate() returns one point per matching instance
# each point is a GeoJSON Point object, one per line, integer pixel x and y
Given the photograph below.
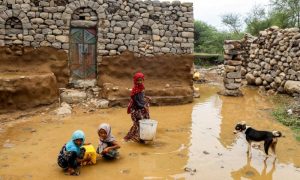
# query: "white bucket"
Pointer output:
{"type": "Point", "coordinates": [147, 129]}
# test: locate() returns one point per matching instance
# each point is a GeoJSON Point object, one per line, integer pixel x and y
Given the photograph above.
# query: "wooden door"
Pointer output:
{"type": "Point", "coordinates": [83, 53]}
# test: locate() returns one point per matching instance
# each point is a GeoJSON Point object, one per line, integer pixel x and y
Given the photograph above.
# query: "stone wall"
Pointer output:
{"type": "Point", "coordinates": [143, 27]}
{"type": "Point", "coordinates": [272, 58]}
{"type": "Point", "coordinates": [233, 60]}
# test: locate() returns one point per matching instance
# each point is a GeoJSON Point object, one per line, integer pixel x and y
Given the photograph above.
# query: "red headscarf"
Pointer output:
{"type": "Point", "coordinates": [137, 88]}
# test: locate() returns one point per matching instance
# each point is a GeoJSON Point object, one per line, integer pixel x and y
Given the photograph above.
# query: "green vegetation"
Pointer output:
{"type": "Point", "coordinates": [209, 44]}
{"type": "Point", "coordinates": [207, 60]}
{"type": "Point", "coordinates": [209, 40]}
{"type": "Point", "coordinates": [280, 113]}
{"type": "Point", "coordinates": [233, 22]}
{"type": "Point", "coordinates": [281, 13]}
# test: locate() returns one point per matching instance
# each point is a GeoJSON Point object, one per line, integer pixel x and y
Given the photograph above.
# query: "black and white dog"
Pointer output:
{"type": "Point", "coordinates": [269, 138]}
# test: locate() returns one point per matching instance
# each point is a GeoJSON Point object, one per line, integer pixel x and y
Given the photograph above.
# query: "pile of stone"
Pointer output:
{"type": "Point", "coordinates": [233, 62]}
{"type": "Point", "coordinates": [86, 97]}
{"type": "Point", "coordinates": [273, 58]}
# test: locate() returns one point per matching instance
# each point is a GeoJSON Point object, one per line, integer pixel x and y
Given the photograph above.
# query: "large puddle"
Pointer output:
{"type": "Point", "coordinates": [195, 136]}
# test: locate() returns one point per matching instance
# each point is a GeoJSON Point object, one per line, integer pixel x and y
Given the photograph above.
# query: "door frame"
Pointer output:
{"type": "Point", "coordinates": [70, 54]}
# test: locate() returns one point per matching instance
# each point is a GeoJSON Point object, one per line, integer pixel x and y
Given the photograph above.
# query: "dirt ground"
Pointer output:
{"type": "Point", "coordinates": [22, 60]}
{"type": "Point", "coordinates": [30, 77]}
{"type": "Point", "coordinates": [194, 141]}
{"type": "Point", "coordinates": [26, 90]}
{"type": "Point", "coordinates": [172, 77]}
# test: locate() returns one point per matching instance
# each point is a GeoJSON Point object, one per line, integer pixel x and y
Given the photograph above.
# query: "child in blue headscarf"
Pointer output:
{"type": "Point", "coordinates": [71, 155]}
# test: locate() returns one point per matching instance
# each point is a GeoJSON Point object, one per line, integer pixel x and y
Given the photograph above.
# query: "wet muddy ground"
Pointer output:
{"type": "Point", "coordinates": [194, 141]}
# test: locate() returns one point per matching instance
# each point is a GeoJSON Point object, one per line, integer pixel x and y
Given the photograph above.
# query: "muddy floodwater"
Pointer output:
{"type": "Point", "coordinates": [194, 141]}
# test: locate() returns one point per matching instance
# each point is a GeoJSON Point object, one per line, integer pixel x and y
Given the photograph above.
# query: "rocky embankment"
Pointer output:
{"type": "Point", "coordinates": [272, 60]}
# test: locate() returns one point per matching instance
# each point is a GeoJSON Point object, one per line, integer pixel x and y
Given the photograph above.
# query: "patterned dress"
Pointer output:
{"type": "Point", "coordinates": [139, 110]}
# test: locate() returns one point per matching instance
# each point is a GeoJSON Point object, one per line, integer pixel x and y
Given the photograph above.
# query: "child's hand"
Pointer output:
{"type": "Point", "coordinates": [88, 159]}
{"type": "Point", "coordinates": [106, 150]}
{"type": "Point", "coordinates": [148, 99]}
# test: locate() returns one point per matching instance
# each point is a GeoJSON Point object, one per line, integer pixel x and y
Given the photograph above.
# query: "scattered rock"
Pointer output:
{"type": "Point", "coordinates": [234, 93]}
{"type": "Point", "coordinates": [133, 154]}
{"type": "Point", "coordinates": [65, 109]}
{"type": "Point", "coordinates": [100, 103]}
{"type": "Point", "coordinates": [91, 110]}
{"type": "Point", "coordinates": [196, 95]}
{"type": "Point", "coordinates": [292, 87]}
{"type": "Point", "coordinates": [125, 171]}
{"type": "Point", "coordinates": [190, 170]}
{"type": "Point", "coordinates": [84, 83]}
{"type": "Point", "coordinates": [73, 96]}
{"type": "Point", "coordinates": [205, 152]}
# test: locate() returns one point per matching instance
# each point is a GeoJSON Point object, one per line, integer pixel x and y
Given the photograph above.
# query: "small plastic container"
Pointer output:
{"type": "Point", "coordinates": [90, 153]}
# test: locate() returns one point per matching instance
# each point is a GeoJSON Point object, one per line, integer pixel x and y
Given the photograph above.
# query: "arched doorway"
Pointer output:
{"type": "Point", "coordinates": [83, 41]}
{"type": "Point", "coordinates": [13, 31]}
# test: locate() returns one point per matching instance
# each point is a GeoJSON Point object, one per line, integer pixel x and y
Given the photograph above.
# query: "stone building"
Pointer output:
{"type": "Point", "coordinates": [89, 29]}
{"type": "Point", "coordinates": [85, 33]}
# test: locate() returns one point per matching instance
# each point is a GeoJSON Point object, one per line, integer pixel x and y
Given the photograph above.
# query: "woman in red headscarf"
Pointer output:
{"type": "Point", "coordinates": [138, 107]}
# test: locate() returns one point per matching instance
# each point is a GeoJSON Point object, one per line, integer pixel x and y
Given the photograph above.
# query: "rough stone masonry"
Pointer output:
{"type": "Point", "coordinates": [271, 60]}
{"type": "Point", "coordinates": [143, 27]}
{"type": "Point", "coordinates": [233, 61]}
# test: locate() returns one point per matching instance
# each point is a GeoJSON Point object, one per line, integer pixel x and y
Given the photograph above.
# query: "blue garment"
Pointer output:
{"type": "Point", "coordinates": [139, 100]}
{"type": "Point", "coordinates": [71, 146]}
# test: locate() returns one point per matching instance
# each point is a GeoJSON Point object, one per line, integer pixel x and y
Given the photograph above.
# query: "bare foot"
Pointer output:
{"type": "Point", "coordinates": [142, 141]}
{"type": "Point", "coordinates": [72, 172]}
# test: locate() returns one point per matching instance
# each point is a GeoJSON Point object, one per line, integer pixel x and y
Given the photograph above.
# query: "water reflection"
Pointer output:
{"type": "Point", "coordinates": [217, 153]}
{"type": "Point", "coordinates": [250, 172]}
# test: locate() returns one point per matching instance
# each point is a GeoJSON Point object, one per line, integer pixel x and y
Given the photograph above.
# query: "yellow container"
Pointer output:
{"type": "Point", "coordinates": [90, 153]}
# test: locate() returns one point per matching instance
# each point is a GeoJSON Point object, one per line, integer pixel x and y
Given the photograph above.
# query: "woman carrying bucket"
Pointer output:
{"type": "Point", "coordinates": [138, 107]}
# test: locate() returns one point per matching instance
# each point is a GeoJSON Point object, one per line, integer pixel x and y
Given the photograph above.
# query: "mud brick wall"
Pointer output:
{"type": "Point", "coordinates": [168, 78]}
{"type": "Point", "coordinates": [233, 61]}
{"type": "Point", "coordinates": [29, 91]}
{"type": "Point", "coordinates": [143, 27]}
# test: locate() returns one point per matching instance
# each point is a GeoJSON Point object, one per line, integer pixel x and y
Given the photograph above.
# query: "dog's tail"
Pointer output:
{"type": "Point", "coordinates": [277, 134]}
